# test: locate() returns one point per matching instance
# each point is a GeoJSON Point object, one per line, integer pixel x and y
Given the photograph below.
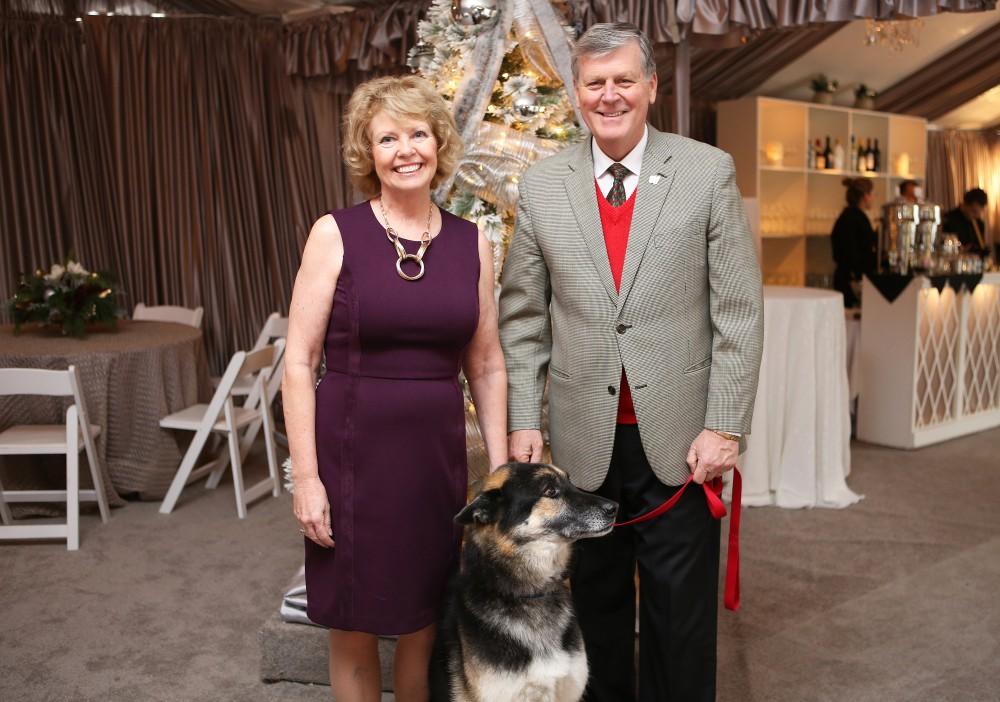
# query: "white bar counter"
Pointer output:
{"type": "Point", "coordinates": [930, 363]}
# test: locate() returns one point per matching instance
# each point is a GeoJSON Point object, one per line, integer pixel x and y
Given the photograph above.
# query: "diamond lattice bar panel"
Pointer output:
{"type": "Point", "coordinates": [982, 359]}
{"type": "Point", "coordinates": [937, 357]}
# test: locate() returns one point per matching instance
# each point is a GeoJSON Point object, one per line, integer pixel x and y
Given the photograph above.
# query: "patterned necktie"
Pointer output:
{"type": "Point", "coordinates": [616, 196]}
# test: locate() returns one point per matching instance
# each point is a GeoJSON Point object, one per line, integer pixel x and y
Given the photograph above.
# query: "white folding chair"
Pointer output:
{"type": "Point", "coordinates": [275, 327]}
{"type": "Point", "coordinates": [223, 417]}
{"type": "Point", "coordinates": [36, 439]}
{"type": "Point", "coordinates": [169, 313]}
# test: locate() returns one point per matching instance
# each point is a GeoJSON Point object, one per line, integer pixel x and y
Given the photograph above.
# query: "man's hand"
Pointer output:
{"type": "Point", "coordinates": [525, 445]}
{"type": "Point", "coordinates": [711, 455]}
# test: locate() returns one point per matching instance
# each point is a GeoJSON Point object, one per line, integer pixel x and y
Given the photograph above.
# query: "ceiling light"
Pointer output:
{"type": "Point", "coordinates": [895, 34]}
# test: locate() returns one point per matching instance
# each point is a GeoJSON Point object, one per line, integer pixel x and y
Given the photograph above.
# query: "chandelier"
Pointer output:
{"type": "Point", "coordinates": [895, 34]}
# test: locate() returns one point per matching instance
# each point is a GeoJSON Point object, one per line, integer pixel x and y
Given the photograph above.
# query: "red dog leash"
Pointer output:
{"type": "Point", "coordinates": [713, 494]}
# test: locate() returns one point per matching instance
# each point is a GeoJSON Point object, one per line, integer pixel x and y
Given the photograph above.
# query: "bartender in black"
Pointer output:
{"type": "Point", "coordinates": [854, 241]}
{"type": "Point", "coordinates": [966, 221]}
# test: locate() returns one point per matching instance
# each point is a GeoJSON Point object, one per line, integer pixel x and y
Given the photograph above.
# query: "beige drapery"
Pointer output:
{"type": "Point", "coordinates": [958, 161]}
{"type": "Point", "coordinates": [51, 166]}
{"type": "Point", "coordinates": [950, 80]}
{"type": "Point", "coordinates": [178, 155]}
{"type": "Point", "coordinates": [668, 21]}
{"type": "Point", "coordinates": [363, 41]}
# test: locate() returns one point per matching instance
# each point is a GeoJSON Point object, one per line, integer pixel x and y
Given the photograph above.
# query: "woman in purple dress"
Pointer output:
{"type": "Point", "coordinates": [399, 296]}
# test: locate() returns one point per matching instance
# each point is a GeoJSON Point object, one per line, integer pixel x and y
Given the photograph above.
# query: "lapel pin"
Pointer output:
{"type": "Point", "coordinates": [654, 179]}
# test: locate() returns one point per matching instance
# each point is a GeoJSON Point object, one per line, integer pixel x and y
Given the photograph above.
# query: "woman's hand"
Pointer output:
{"type": "Point", "coordinates": [312, 510]}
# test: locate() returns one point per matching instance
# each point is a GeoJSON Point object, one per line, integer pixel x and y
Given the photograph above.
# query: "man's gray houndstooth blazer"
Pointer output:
{"type": "Point", "coordinates": [687, 325]}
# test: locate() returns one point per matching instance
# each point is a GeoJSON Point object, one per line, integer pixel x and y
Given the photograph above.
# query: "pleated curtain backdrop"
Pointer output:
{"type": "Point", "coordinates": [53, 168]}
{"type": "Point", "coordinates": [958, 161]}
{"type": "Point", "coordinates": [178, 155]}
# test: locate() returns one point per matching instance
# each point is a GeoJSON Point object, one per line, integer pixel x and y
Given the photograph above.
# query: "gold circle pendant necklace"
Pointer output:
{"type": "Point", "coordinates": [402, 256]}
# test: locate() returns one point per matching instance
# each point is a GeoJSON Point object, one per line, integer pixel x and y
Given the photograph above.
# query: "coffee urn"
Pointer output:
{"type": "Point", "coordinates": [928, 225]}
{"type": "Point", "coordinates": [898, 236]}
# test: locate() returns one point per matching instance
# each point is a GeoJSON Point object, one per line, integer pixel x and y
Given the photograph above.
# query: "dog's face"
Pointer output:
{"type": "Point", "coordinates": [537, 502]}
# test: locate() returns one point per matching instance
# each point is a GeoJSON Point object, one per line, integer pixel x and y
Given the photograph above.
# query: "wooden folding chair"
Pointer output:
{"type": "Point", "coordinates": [223, 417]}
{"type": "Point", "coordinates": [169, 313]}
{"type": "Point", "coordinates": [38, 439]}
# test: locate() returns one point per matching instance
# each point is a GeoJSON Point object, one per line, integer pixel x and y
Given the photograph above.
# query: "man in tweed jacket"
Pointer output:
{"type": "Point", "coordinates": [632, 285]}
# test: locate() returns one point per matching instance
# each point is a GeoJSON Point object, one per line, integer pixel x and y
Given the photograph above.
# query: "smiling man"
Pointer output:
{"type": "Point", "coordinates": [632, 286]}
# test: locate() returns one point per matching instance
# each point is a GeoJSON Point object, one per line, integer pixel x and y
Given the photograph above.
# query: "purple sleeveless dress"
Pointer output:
{"type": "Point", "coordinates": [390, 428]}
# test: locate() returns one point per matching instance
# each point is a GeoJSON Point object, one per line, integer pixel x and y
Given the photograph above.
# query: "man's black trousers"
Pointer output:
{"type": "Point", "coordinates": [678, 562]}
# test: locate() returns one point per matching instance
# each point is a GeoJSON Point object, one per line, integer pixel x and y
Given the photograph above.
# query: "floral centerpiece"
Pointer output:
{"type": "Point", "coordinates": [68, 297]}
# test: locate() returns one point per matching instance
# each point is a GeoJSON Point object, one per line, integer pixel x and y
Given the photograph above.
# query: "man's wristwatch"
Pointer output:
{"type": "Point", "coordinates": [726, 435]}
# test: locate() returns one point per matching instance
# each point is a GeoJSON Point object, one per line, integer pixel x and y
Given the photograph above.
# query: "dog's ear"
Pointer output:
{"type": "Point", "coordinates": [481, 510]}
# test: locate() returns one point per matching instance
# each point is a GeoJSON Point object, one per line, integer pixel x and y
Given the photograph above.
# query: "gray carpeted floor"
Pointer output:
{"type": "Point", "coordinates": [892, 599]}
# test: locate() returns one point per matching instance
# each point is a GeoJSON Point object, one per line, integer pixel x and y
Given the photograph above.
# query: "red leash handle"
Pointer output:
{"type": "Point", "coordinates": [713, 495]}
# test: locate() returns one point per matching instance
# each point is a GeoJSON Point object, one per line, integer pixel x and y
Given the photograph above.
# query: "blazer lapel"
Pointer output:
{"type": "Point", "coordinates": [582, 199]}
{"type": "Point", "coordinates": [654, 183]}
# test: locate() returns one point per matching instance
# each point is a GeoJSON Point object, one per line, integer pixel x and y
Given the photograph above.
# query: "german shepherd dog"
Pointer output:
{"type": "Point", "coordinates": [509, 633]}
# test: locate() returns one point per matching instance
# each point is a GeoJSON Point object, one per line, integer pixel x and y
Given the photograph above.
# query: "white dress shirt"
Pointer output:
{"type": "Point", "coordinates": [633, 162]}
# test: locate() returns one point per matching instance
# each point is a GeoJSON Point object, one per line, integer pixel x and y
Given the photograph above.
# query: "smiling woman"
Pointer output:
{"type": "Point", "coordinates": [382, 111]}
{"type": "Point", "coordinates": [378, 445]}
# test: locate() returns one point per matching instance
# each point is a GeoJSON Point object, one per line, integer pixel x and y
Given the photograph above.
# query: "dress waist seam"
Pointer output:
{"type": "Point", "coordinates": [335, 371]}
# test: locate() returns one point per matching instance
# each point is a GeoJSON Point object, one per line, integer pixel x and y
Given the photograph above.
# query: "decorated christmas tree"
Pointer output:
{"type": "Point", "coordinates": [504, 65]}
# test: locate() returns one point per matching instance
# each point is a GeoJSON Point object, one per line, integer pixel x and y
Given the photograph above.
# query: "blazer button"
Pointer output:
{"type": "Point", "coordinates": [611, 389]}
{"type": "Point", "coordinates": [622, 327]}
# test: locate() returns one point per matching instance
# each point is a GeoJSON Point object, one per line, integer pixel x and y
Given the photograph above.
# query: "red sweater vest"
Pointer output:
{"type": "Point", "coordinates": [616, 222]}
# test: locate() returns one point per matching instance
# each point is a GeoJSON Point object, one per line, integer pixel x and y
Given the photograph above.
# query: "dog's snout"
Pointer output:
{"type": "Point", "coordinates": [609, 508]}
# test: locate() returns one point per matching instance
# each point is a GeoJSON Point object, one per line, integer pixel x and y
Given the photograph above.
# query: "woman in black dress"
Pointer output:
{"type": "Point", "coordinates": [854, 241]}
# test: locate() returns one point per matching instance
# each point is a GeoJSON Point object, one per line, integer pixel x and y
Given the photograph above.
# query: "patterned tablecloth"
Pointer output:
{"type": "Point", "coordinates": [131, 378]}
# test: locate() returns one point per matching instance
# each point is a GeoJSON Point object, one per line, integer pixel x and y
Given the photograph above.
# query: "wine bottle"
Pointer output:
{"type": "Point", "coordinates": [828, 154]}
{"type": "Point", "coordinates": [869, 156]}
{"type": "Point", "coordinates": [820, 156]}
{"type": "Point", "coordinates": [854, 155]}
{"type": "Point", "coordinates": [877, 158]}
{"type": "Point", "coordinates": [838, 156]}
{"type": "Point", "coordinates": [862, 163]}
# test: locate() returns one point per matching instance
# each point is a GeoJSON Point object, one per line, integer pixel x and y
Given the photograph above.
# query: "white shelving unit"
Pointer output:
{"type": "Point", "coordinates": [796, 206]}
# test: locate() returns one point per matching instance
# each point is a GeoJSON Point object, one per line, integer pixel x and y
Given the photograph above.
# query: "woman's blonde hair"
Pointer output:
{"type": "Point", "coordinates": [402, 97]}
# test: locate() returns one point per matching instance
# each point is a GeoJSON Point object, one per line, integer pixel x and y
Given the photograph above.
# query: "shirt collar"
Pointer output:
{"type": "Point", "coordinates": [632, 161]}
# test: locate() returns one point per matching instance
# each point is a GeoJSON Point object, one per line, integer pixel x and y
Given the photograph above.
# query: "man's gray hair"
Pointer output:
{"type": "Point", "coordinates": [605, 37]}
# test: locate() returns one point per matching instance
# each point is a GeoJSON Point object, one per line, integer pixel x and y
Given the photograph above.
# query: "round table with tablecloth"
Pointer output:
{"type": "Point", "coordinates": [799, 449]}
{"type": "Point", "coordinates": [130, 378]}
